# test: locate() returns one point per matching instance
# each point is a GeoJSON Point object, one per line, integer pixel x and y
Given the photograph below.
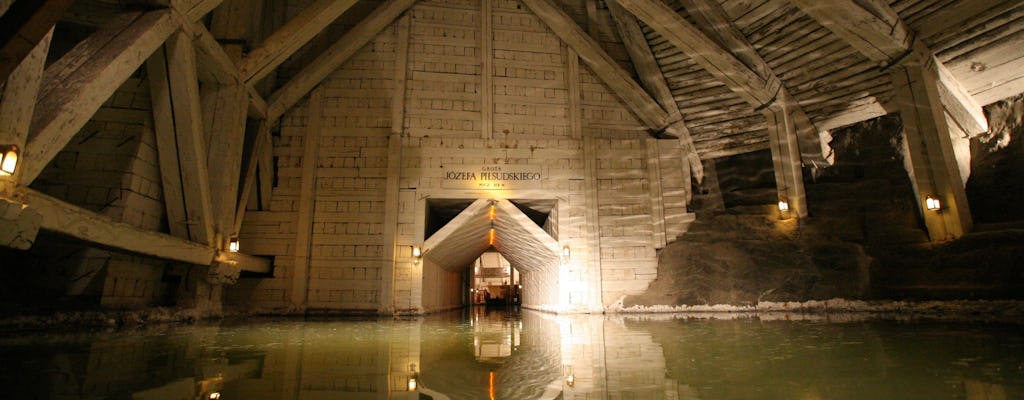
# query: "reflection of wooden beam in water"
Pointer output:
{"type": "Point", "coordinates": [184, 388]}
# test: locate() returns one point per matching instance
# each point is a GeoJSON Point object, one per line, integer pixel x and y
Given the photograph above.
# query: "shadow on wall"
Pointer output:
{"type": "Point", "coordinates": [864, 238]}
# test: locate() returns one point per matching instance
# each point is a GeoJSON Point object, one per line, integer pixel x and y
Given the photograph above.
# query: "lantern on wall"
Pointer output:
{"type": "Point", "coordinates": [932, 203]}
{"type": "Point", "coordinates": [783, 205]}
{"type": "Point", "coordinates": [233, 245]}
{"type": "Point", "coordinates": [8, 160]}
{"type": "Point", "coordinates": [566, 253]}
{"type": "Point", "coordinates": [416, 253]}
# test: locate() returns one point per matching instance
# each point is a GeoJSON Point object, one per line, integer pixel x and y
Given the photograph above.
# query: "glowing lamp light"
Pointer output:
{"type": "Point", "coordinates": [8, 160]}
{"type": "Point", "coordinates": [783, 205]}
{"type": "Point", "coordinates": [215, 396]}
{"type": "Point", "coordinates": [490, 239]}
{"type": "Point", "coordinates": [570, 380]}
{"type": "Point", "coordinates": [491, 213]}
{"type": "Point", "coordinates": [566, 253]}
{"type": "Point", "coordinates": [932, 203]}
{"type": "Point", "coordinates": [416, 254]}
{"type": "Point", "coordinates": [412, 384]}
{"type": "Point", "coordinates": [233, 246]}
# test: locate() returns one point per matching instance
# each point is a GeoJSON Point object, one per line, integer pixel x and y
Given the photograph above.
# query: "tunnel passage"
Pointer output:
{"type": "Point", "coordinates": [499, 224]}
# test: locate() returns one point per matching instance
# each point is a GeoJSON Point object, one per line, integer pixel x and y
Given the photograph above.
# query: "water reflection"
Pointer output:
{"type": "Point", "coordinates": [493, 354]}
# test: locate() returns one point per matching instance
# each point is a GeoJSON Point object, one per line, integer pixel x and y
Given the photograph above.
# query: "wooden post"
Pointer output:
{"type": "Point", "coordinates": [782, 140]}
{"type": "Point", "coordinates": [307, 202]}
{"type": "Point", "coordinates": [391, 188]}
{"type": "Point", "coordinates": [934, 170]}
{"type": "Point", "coordinates": [18, 100]}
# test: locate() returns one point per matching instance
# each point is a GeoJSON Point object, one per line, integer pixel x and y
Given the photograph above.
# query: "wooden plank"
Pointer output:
{"type": "Point", "coordinates": [307, 202]}
{"type": "Point", "coordinates": [603, 65]}
{"type": "Point", "coordinates": [84, 78]}
{"type": "Point", "coordinates": [782, 140]}
{"type": "Point", "coordinates": [289, 38]}
{"type": "Point", "coordinates": [23, 27]}
{"type": "Point", "coordinates": [336, 55]}
{"type": "Point", "coordinates": [79, 223]}
{"type": "Point", "coordinates": [18, 96]}
{"type": "Point", "coordinates": [190, 149]}
{"type": "Point", "coordinates": [487, 70]}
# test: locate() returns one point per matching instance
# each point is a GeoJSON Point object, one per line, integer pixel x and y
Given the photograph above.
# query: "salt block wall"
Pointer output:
{"type": "Point", "coordinates": [109, 167]}
{"type": "Point", "coordinates": [604, 211]}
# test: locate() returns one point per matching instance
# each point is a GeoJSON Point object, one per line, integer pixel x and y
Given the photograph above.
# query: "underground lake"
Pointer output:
{"type": "Point", "coordinates": [481, 353]}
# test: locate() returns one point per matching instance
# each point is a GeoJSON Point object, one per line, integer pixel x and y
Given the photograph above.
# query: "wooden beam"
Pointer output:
{"type": "Point", "coordinates": [19, 224]}
{"type": "Point", "coordinates": [224, 115]}
{"type": "Point", "coordinates": [737, 65]}
{"type": "Point", "coordinates": [934, 170]}
{"type": "Point", "coordinates": [18, 97]}
{"type": "Point", "coordinates": [83, 79]}
{"type": "Point", "coordinates": [181, 144]}
{"type": "Point", "coordinates": [249, 173]}
{"type": "Point", "coordinates": [23, 26]}
{"type": "Point", "coordinates": [307, 203]}
{"type": "Point", "coordinates": [77, 222]}
{"type": "Point", "coordinates": [166, 142]}
{"type": "Point", "coordinates": [290, 37]}
{"type": "Point", "coordinates": [782, 141]}
{"type": "Point", "coordinates": [266, 170]}
{"type": "Point", "coordinates": [216, 66]}
{"type": "Point", "coordinates": [603, 65]}
{"type": "Point", "coordinates": [877, 31]}
{"type": "Point", "coordinates": [654, 81]}
{"type": "Point", "coordinates": [67, 219]}
{"type": "Point", "coordinates": [336, 55]}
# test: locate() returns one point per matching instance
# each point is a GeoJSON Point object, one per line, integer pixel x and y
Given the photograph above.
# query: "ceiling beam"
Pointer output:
{"type": "Point", "coordinates": [289, 38]}
{"type": "Point", "coordinates": [80, 82]}
{"type": "Point", "coordinates": [331, 59]}
{"type": "Point", "coordinates": [654, 81]}
{"type": "Point", "coordinates": [603, 65]}
{"type": "Point", "coordinates": [67, 219]}
{"type": "Point", "coordinates": [216, 66]}
{"type": "Point", "coordinates": [729, 58]}
{"type": "Point", "coordinates": [877, 31]}
{"type": "Point", "coordinates": [23, 25]}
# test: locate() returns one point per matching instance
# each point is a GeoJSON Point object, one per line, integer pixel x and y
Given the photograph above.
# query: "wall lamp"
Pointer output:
{"type": "Point", "coordinates": [8, 160]}
{"type": "Point", "coordinates": [233, 245]}
{"type": "Point", "coordinates": [566, 254]}
{"type": "Point", "coordinates": [416, 253]}
{"type": "Point", "coordinates": [932, 203]}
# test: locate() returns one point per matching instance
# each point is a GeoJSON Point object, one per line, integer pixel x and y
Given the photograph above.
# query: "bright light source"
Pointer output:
{"type": "Point", "coordinates": [932, 203]}
{"type": "Point", "coordinates": [566, 253]}
{"type": "Point", "coordinates": [570, 380]}
{"type": "Point", "coordinates": [783, 205]}
{"type": "Point", "coordinates": [9, 160]}
{"type": "Point", "coordinates": [412, 384]}
{"type": "Point", "coordinates": [214, 395]}
{"type": "Point", "coordinates": [490, 239]}
{"type": "Point", "coordinates": [233, 245]}
{"type": "Point", "coordinates": [492, 212]}
{"type": "Point", "coordinates": [416, 251]}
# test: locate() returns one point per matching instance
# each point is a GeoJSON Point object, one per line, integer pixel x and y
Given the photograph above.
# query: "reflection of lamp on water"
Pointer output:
{"type": "Point", "coordinates": [412, 383]}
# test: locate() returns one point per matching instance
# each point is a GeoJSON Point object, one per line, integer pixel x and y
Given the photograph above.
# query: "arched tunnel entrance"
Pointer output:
{"type": "Point", "coordinates": [522, 234]}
